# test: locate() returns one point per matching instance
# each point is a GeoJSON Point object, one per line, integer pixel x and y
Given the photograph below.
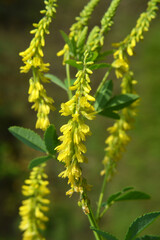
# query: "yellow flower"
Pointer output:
{"type": "Point", "coordinates": [34, 207]}
{"type": "Point", "coordinates": [118, 138]}
{"type": "Point", "coordinates": [121, 66]}
{"type": "Point", "coordinates": [72, 148]}
{"type": "Point", "coordinates": [142, 26]}
{"type": "Point", "coordinates": [33, 59]}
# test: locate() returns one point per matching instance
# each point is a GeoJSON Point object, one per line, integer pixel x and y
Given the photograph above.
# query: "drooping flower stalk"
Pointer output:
{"type": "Point", "coordinates": [72, 148]}
{"type": "Point", "coordinates": [136, 33]}
{"type": "Point", "coordinates": [33, 59]}
{"type": "Point", "coordinates": [34, 207]}
{"type": "Point", "coordinates": [118, 138]}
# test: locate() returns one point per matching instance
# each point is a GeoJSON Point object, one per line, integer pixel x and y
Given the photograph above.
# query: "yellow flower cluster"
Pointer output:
{"type": "Point", "coordinates": [33, 59]}
{"type": "Point", "coordinates": [71, 149]}
{"type": "Point", "coordinates": [33, 208]}
{"type": "Point", "coordinates": [42, 103]}
{"type": "Point", "coordinates": [142, 26]}
{"type": "Point", "coordinates": [118, 138]}
{"type": "Point", "coordinates": [96, 36]}
{"type": "Point", "coordinates": [82, 19]}
{"type": "Point", "coordinates": [77, 28]}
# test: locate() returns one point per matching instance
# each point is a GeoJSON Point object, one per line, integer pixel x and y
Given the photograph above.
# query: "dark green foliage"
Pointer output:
{"type": "Point", "coordinates": [148, 237]}
{"type": "Point", "coordinates": [51, 139]}
{"type": "Point", "coordinates": [121, 101]}
{"type": "Point", "coordinates": [140, 224]}
{"type": "Point", "coordinates": [103, 95]}
{"type": "Point", "coordinates": [28, 137]}
{"type": "Point", "coordinates": [37, 161]}
{"type": "Point", "coordinates": [109, 113]}
{"type": "Point", "coordinates": [106, 235]}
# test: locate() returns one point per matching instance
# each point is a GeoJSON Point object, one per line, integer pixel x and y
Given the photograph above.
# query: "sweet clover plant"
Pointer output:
{"type": "Point", "coordinates": [82, 51]}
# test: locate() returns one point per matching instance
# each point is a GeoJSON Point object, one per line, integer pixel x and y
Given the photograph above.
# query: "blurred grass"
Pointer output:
{"type": "Point", "coordinates": [140, 166]}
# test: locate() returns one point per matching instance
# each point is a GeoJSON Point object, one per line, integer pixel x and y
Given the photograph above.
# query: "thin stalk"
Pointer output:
{"type": "Point", "coordinates": [103, 81]}
{"type": "Point", "coordinates": [102, 192]}
{"type": "Point", "coordinates": [103, 212]}
{"type": "Point", "coordinates": [68, 80]}
{"type": "Point", "coordinates": [93, 223]}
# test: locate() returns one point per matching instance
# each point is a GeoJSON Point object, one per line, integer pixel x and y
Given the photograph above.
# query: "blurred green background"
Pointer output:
{"type": "Point", "coordinates": [140, 166]}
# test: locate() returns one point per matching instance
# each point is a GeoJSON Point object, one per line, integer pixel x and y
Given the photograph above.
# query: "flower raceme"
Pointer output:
{"type": "Point", "coordinates": [118, 138]}
{"type": "Point", "coordinates": [136, 33]}
{"type": "Point", "coordinates": [33, 59]}
{"type": "Point", "coordinates": [33, 208]}
{"type": "Point", "coordinates": [71, 149]}
{"type": "Point", "coordinates": [77, 28]}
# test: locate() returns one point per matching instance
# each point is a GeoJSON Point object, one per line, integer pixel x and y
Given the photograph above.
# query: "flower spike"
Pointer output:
{"type": "Point", "coordinates": [34, 207]}
{"type": "Point", "coordinates": [33, 59]}
{"type": "Point", "coordinates": [72, 148]}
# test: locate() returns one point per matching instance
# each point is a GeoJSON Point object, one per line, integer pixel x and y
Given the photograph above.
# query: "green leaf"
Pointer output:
{"type": "Point", "coordinates": [55, 80]}
{"type": "Point", "coordinates": [133, 195]}
{"type": "Point", "coordinates": [51, 139]}
{"type": "Point", "coordinates": [73, 63]}
{"type": "Point", "coordinates": [99, 65]}
{"type": "Point", "coordinates": [115, 196]}
{"type": "Point", "coordinates": [67, 40]}
{"type": "Point", "coordinates": [109, 113]}
{"type": "Point", "coordinates": [71, 82]}
{"type": "Point", "coordinates": [37, 161]}
{"type": "Point", "coordinates": [103, 95]}
{"type": "Point", "coordinates": [28, 137]}
{"type": "Point", "coordinates": [127, 189]}
{"type": "Point", "coordinates": [106, 235]}
{"type": "Point", "coordinates": [140, 224]}
{"type": "Point", "coordinates": [148, 237]}
{"type": "Point", "coordinates": [121, 101]}
{"type": "Point", "coordinates": [126, 194]}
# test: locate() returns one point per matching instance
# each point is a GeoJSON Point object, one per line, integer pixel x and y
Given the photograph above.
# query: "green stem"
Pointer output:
{"type": "Point", "coordinates": [69, 80]}
{"type": "Point", "coordinates": [93, 223]}
{"type": "Point", "coordinates": [103, 212]}
{"type": "Point", "coordinates": [103, 81]}
{"type": "Point", "coordinates": [102, 191]}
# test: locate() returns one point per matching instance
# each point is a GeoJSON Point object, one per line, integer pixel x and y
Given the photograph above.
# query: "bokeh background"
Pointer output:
{"type": "Point", "coordinates": [140, 166]}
